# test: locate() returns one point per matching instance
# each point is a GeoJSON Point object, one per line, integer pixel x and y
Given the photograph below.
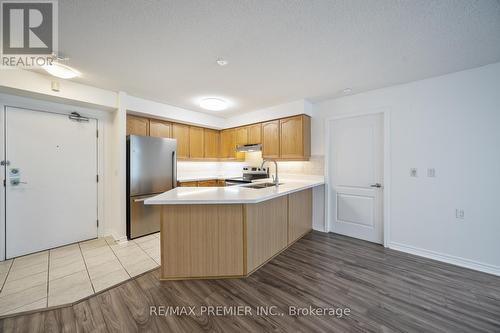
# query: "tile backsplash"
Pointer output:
{"type": "Point", "coordinates": [208, 169]}
{"type": "Point", "coordinates": [315, 166]}
{"type": "Point", "coordinates": [185, 169]}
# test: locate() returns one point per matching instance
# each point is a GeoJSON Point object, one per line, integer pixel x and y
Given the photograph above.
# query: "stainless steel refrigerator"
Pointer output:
{"type": "Point", "coordinates": [151, 169]}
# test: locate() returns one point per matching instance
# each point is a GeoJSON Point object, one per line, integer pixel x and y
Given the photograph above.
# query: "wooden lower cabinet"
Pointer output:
{"type": "Point", "coordinates": [202, 183]}
{"type": "Point", "coordinates": [202, 241]}
{"type": "Point", "coordinates": [230, 240]}
{"type": "Point", "coordinates": [266, 230]}
{"type": "Point", "coordinates": [299, 214]}
{"type": "Point", "coordinates": [208, 183]}
{"type": "Point", "coordinates": [187, 184]}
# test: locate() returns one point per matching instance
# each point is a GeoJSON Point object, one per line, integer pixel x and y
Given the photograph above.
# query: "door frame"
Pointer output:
{"type": "Point", "coordinates": [50, 107]}
{"type": "Point", "coordinates": [386, 113]}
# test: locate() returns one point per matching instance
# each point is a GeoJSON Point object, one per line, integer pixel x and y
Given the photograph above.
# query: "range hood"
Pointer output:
{"type": "Point", "coordinates": [248, 148]}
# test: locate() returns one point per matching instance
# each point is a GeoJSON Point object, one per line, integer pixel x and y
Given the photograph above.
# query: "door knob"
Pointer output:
{"type": "Point", "coordinates": [15, 182]}
{"type": "Point", "coordinates": [378, 185]}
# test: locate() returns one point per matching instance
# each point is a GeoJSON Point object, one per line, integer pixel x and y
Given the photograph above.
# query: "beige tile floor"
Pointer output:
{"type": "Point", "coordinates": [69, 273]}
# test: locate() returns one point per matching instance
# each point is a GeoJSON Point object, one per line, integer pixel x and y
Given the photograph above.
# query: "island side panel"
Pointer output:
{"type": "Point", "coordinates": [299, 214]}
{"type": "Point", "coordinates": [266, 230]}
{"type": "Point", "coordinates": [201, 241]}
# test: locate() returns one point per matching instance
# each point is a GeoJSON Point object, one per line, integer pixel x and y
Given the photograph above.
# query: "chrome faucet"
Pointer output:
{"type": "Point", "coordinates": [276, 180]}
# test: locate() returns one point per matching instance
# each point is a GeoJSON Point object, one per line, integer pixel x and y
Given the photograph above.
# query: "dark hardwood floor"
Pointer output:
{"type": "Point", "coordinates": [385, 290]}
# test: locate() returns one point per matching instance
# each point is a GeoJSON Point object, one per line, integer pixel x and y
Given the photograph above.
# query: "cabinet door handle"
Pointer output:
{"type": "Point", "coordinates": [378, 185]}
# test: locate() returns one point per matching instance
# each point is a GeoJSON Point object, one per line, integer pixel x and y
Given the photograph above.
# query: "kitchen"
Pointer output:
{"type": "Point", "coordinates": [279, 221]}
{"type": "Point", "coordinates": [324, 166]}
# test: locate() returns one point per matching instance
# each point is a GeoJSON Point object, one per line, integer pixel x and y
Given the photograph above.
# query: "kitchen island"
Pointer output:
{"type": "Point", "coordinates": [222, 232]}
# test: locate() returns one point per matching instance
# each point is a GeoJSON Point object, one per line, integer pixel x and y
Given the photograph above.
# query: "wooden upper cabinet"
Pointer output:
{"type": "Point", "coordinates": [285, 139]}
{"type": "Point", "coordinates": [241, 136]}
{"type": "Point", "coordinates": [137, 125]}
{"type": "Point", "coordinates": [196, 149]}
{"type": "Point", "coordinates": [254, 134]}
{"type": "Point", "coordinates": [295, 137]}
{"type": "Point", "coordinates": [160, 128]}
{"type": "Point", "coordinates": [211, 140]}
{"type": "Point", "coordinates": [181, 134]}
{"type": "Point", "coordinates": [228, 143]}
{"type": "Point", "coordinates": [271, 139]}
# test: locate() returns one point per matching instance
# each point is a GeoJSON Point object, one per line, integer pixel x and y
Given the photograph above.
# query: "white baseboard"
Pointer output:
{"type": "Point", "coordinates": [458, 261]}
{"type": "Point", "coordinates": [117, 238]}
{"type": "Point", "coordinates": [320, 228]}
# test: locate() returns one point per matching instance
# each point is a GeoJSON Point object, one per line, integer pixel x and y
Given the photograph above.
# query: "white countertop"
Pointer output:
{"type": "Point", "coordinates": [232, 194]}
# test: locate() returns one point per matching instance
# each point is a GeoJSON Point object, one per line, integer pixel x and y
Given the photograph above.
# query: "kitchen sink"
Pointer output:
{"type": "Point", "coordinates": [262, 185]}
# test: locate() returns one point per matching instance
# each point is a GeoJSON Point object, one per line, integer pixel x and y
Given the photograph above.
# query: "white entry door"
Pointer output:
{"type": "Point", "coordinates": [356, 177]}
{"type": "Point", "coordinates": [51, 186]}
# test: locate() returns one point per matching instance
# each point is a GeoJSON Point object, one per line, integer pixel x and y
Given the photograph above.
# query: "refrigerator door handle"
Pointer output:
{"type": "Point", "coordinates": [174, 169]}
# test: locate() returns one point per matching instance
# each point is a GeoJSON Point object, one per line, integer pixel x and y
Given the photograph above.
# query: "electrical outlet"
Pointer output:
{"type": "Point", "coordinates": [460, 214]}
{"type": "Point", "coordinates": [431, 172]}
{"type": "Point", "coordinates": [413, 172]}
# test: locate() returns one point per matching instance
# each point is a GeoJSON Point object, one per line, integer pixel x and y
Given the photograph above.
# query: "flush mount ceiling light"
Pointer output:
{"type": "Point", "coordinates": [347, 91]}
{"type": "Point", "coordinates": [213, 104]}
{"type": "Point", "coordinates": [62, 71]}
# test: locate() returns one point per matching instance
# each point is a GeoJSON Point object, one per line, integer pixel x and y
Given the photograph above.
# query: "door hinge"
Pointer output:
{"type": "Point", "coordinates": [98, 223]}
{"type": "Point", "coordinates": [97, 178]}
{"type": "Point", "coordinates": [4, 183]}
{"type": "Point", "coordinates": [96, 133]}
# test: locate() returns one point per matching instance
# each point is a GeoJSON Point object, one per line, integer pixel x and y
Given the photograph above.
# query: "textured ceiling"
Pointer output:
{"type": "Point", "coordinates": [278, 50]}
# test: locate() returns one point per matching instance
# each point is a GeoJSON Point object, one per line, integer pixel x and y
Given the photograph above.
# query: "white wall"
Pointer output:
{"type": "Point", "coordinates": [115, 170]}
{"type": "Point", "coordinates": [140, 106]}
{"type": "Point", "coordinates": [149, 108]}
{"type": "Point", "coordinates": [450, 123]}
{"type": "Point", "coordinates": [35, 85]}
{"type": "Point", "coordinates": [274, 112]}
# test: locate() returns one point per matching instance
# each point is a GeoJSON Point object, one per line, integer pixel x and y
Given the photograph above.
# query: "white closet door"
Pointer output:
{"type": "Point", "coordinates": [356, 177]}
{"type": "Point", "coordinates": [51, 187]}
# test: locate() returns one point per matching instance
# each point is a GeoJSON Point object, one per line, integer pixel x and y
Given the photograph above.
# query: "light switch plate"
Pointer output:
{"type": "Point", "coordinates": [431, 172]}
{"type": "Point", "coordinates": [413, 172]}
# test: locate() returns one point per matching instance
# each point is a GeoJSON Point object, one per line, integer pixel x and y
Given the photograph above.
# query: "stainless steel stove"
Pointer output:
{"type": "Point", "coordinates": [249, 174]}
